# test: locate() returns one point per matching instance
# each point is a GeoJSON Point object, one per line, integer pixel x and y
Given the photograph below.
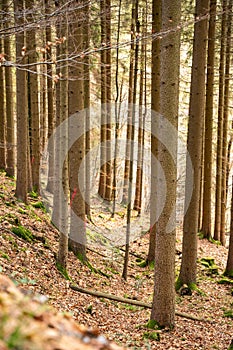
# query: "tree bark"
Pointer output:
{"type": "Point", "coordinates": [194, 146]}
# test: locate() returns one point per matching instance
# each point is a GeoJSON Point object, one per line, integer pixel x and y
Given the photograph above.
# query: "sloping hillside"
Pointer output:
{"type": "Point", "coordinates": [28, 245]}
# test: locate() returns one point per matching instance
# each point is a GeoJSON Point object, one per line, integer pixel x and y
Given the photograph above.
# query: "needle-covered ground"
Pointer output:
{"type": "Point", "coordinates": [28, 246]}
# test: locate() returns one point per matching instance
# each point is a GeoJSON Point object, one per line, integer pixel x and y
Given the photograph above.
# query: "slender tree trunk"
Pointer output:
{"type": "Point", "coordinates": [108, 189]}
{"type": "Point", "coordinates": [10, 124]}
{"type": "Point", "coordinates": [206, 220]}
{"type": "Point", "coordinates": [225, 126]}
{"type": "Point", "coordinates": [22, 111]}
{"type": "Point", "coordinates": [33, 101]}
{"type": "Point", "coordinates": [86, 72]}
{"type": "Point", "coordinates": [194, 146]}
{"type": "Point", "coordinates": [130, 107]}
{"type": "Point", "coordinates": [137, 201]}
{"type": "Point", "coordinates": [50, 96]}
{"type": "Point", "coordinates": [129, 196]}
{"type": "Point", "coordinates": [163, 308]}
{"type": "Point", "coordinates": [220, 125]}
{"type": "Point", "coordinates": [2, 113]}
{"type": "Point", "coordinates": [114, 191]}
{"type": "Point", "coordinates": [64, 171]}
{"type": "Point", "coordinates": [103, 133]}
{"type": "Point", "coordinates": [155, 107]}
{"type": "Point", "coordinates": [229, 266]}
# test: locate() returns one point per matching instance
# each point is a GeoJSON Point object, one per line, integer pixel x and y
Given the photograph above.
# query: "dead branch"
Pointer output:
{"type": "Point", "coordinates": [128, 301]}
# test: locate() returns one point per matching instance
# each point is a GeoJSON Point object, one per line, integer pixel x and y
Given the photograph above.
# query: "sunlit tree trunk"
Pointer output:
{"type": "Point", "coordinates": [194, 147]}
{"type": "Point", "coordinates": [163, 307]}
{"type": "Point", "coordinates": [208, 140]}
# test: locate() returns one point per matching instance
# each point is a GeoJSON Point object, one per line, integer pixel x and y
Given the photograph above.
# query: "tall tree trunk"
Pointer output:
{"type": "Point", "coordinates": [22, 110]}
{"type": "Point", "coordinates": [77, 236]}
{"type": "Point", "coordinates": [155, 107]}
{"type": "Point", "coordinates": [33, 101]}
{"type": "Point", "coordinates": [163, 307]}
{"type": "Point", "coordinates": [108, 189]}
{"type": "Point", "coordinates": [229, 266]}
{"type": "Point", "coordinates": [114, 191]}
{"type": "Point", "coordinates": [129, 196]}
{"type": "Point", "coordinates": [103, 133]}
{"type": "Point", "coordinates": [9, 90]}
{"type": "Point", "coordinates": [225, 126]}
{"type": "Point", "coordinates": [130, 108]}
{"type": "Point", "coordinates": [206, 220]}
{"type": "Point", "coordinates": [138, 197]}
{"type": "Point", "coordinates": [220, 124]}
{"type": "Point", "coordinates": [63, 168]}
{"type": "Point", "coordinates": [194, 146]}
{"type": "Point", "coordinates": [86, 87]}
{"type": "Point", "coordinates": [50, 96]}
{"type": "Point", "coordinates": [2, 111]}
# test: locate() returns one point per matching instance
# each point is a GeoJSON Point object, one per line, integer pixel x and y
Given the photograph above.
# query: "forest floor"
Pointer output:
{"type": "Point", "coordinates": [32, 265]}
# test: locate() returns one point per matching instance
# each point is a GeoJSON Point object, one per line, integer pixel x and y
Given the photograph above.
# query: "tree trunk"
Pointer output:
{"type": "Point", "coordinates": [163, 308]}
{"type": "Point", "coordinates": [225, 127]}
{"type": "Point", "coordinates": [33, 101]}
{"type": "Point", "coordinates": [130, 107]}
{"type": "Point", "coordinates": [77, 236]}
{"type": "Point", "coordinates": [22, 110]}
{"type": "Point", "coordinates": [103, 133]}
{"type": "Point", "coordinates": [63, 169]}
{"type": "Point", "coordinates": [220, 125]}
{"type": "Point", "coordinates": [10, 124]}
{"type": "Point", "coordinates": [206, 220]}
{"type": "Point", "coordinates": [155, 108]}
{"type": "Point", "coordinates": [229, 266]}
{"type": "Point", "coordinates": [50, 97]}
{"type": "Point", "coordinates": [194, 146]}
{"type": "Point", "coordinates": [2, 111]}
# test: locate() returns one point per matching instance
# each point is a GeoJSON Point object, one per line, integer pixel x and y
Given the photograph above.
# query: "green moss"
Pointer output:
{"type": "Point", "coordinates": [142, 263]}
{"type": "Point", "coordinates": [214, 241]}
{"type": "Point", "coordinates": [207, 261]}
{"type": "Point", "coordinates": [225, 281]}
{"type": "Point", "coordinates": [153, 324]}
{"type": "Point", "coordinates": [33, 194]}
{"type": "Point", "coordinates": [23, 233]}
{"type": "Point", "coordinates": [5, 256]}
{"type": "Point", "coordinates": [228, 273]}
{"type": "Point", "coordinates": [39, 205]}
{"type": "Point", "coordinates": [178, 284]}
{"type": "Point", "coordinates": [228, 313]}
{"type": "Point", "coordinates": [63, 271]}
{"type": "Point", "coordinates": [151, 336]}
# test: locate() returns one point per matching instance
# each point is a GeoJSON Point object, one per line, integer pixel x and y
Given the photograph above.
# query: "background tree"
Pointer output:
{"type": "Point", "coordinates": [22, 110]}
{"type": "Point", "coordinates": [194, 146]}
{"type": "Point", "coordinates": [208, 139]}
{"type": "Point", "coordinates": [155, 107]}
